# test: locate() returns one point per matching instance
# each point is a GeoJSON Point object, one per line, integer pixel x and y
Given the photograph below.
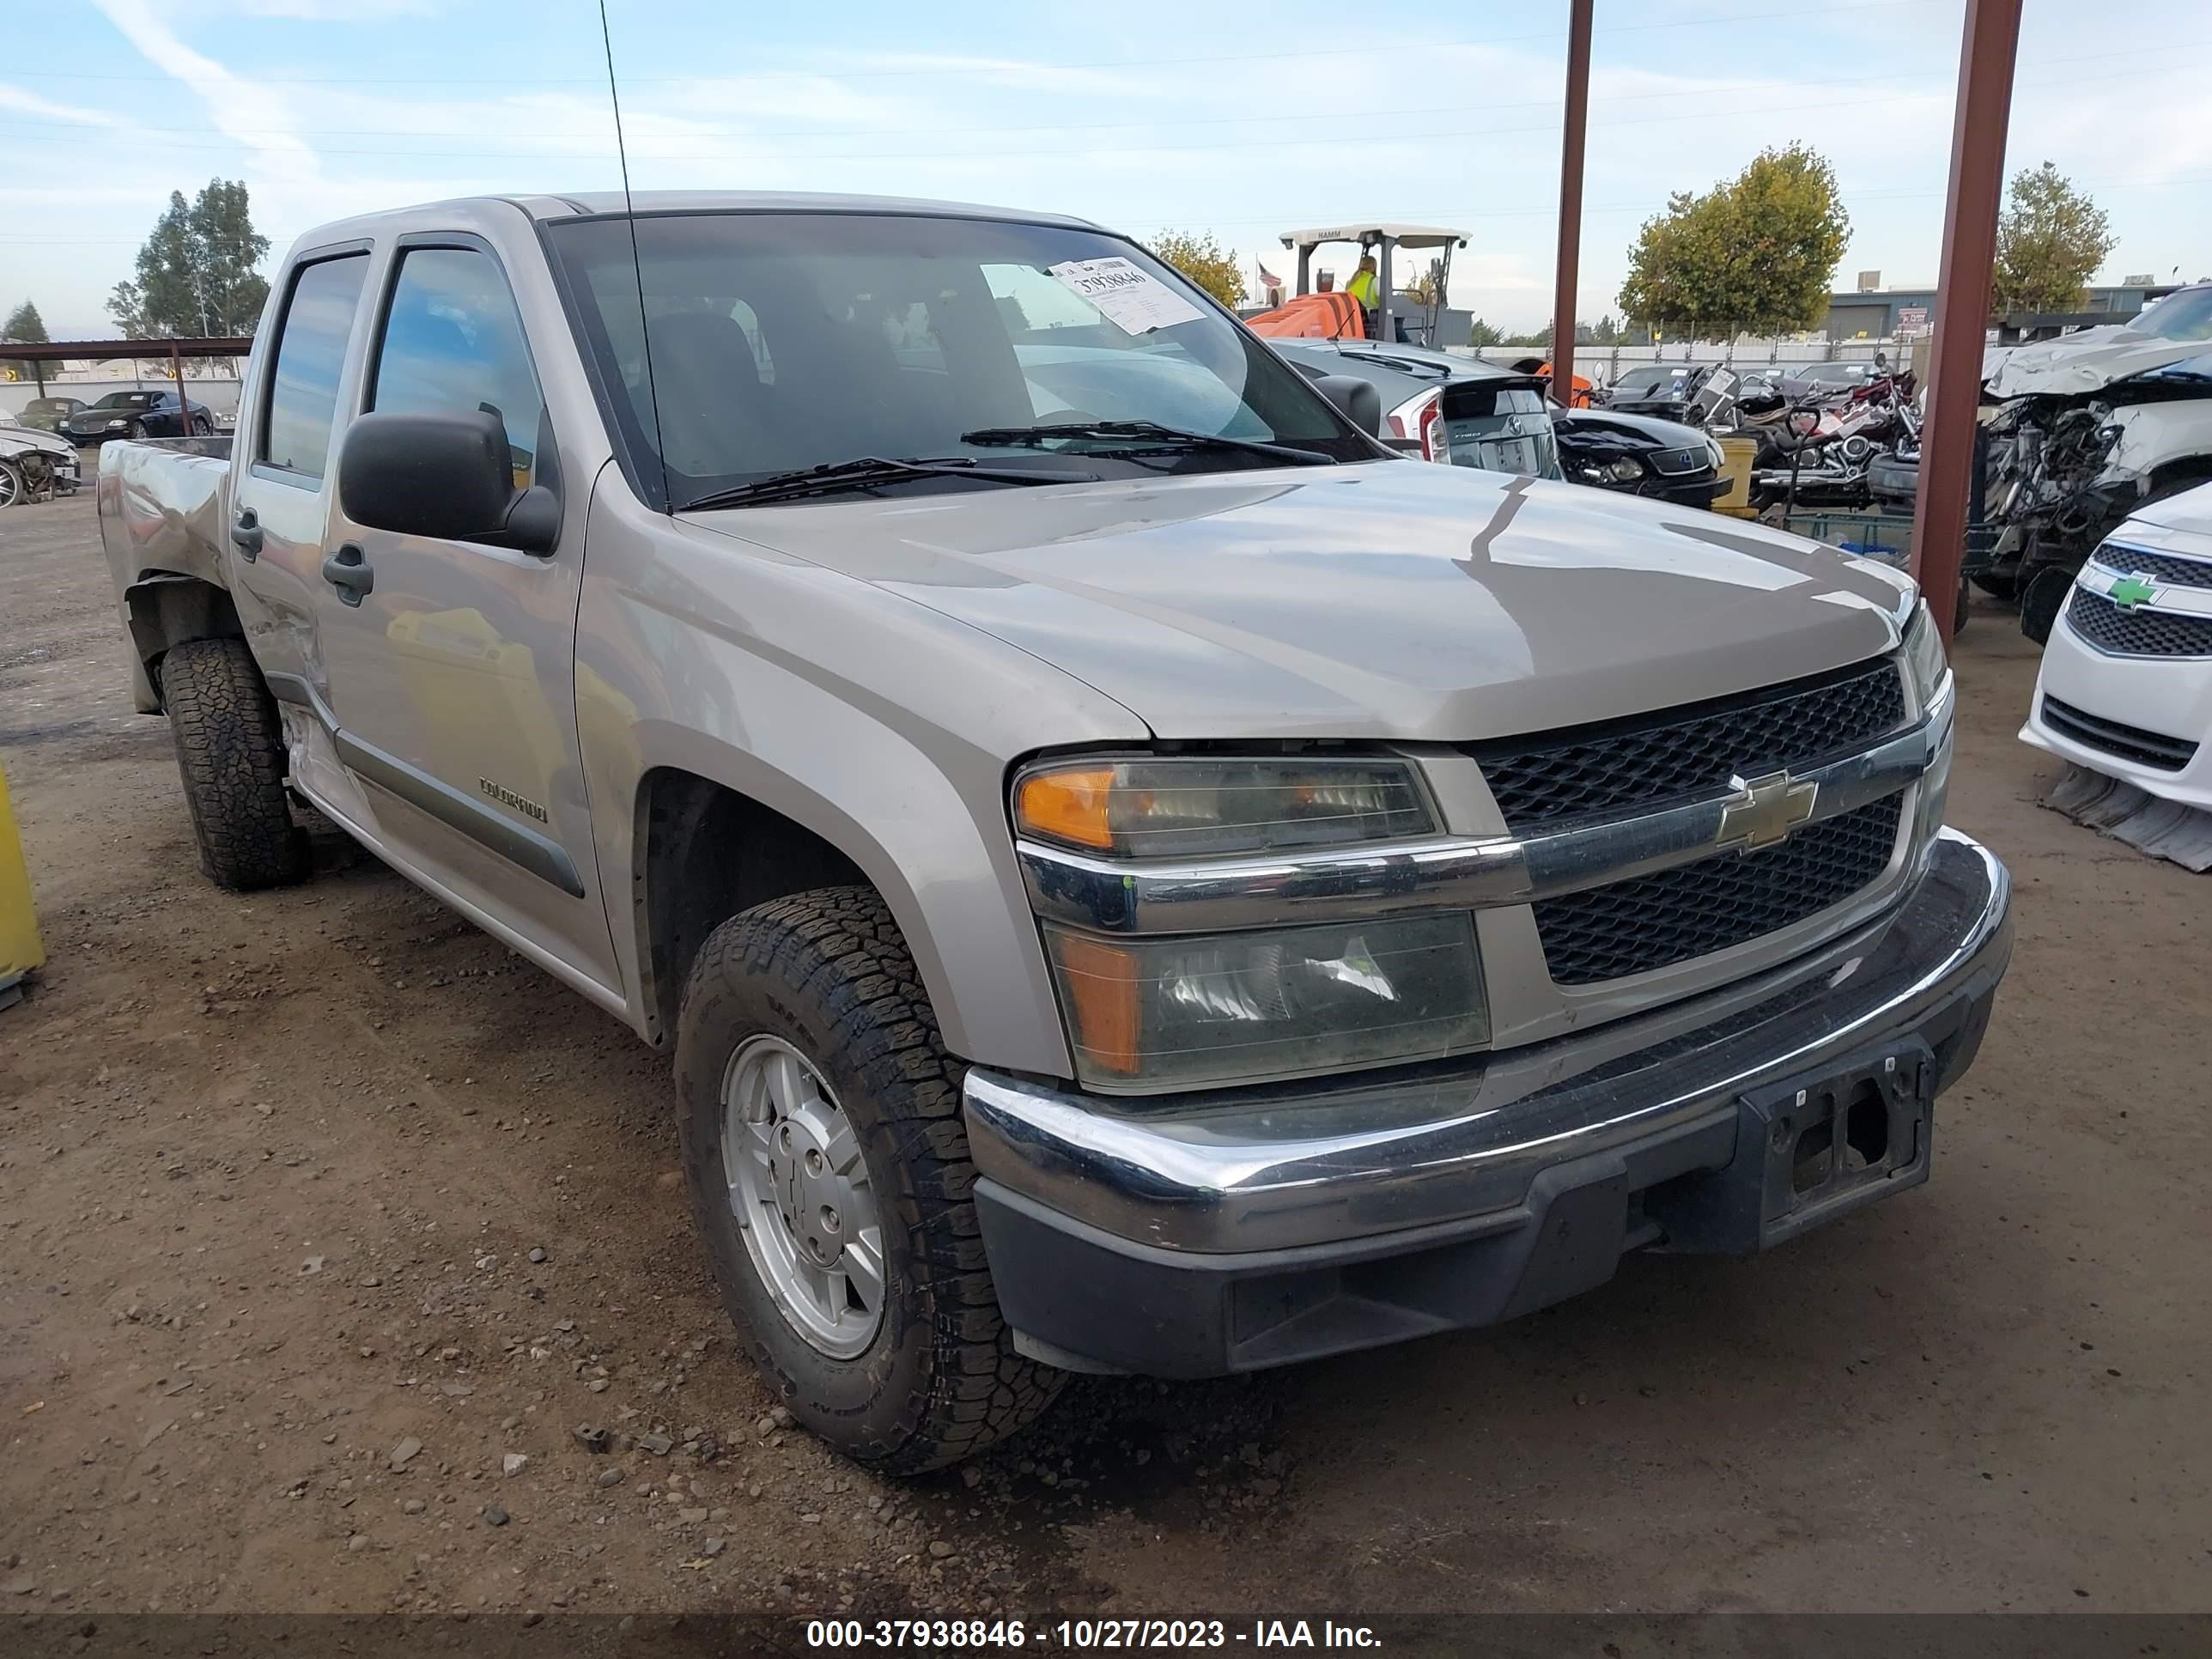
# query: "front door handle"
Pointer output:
{"type": "Point", "coordinates": [348, 571]}
{"type": "Point", "coordinates": [245, 535]}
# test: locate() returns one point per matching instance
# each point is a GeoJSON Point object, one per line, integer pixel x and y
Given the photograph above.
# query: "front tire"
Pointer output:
{"type": "Point", "coordinates": [12, 490]}
{"type": "Point", "coordinates": [230, 753]}
{"type": "Point", "coordinates": [820, 1113]}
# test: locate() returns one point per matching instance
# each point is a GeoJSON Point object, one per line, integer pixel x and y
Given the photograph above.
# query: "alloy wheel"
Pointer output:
{"type": "Point", "coordinates": [801, 1193]}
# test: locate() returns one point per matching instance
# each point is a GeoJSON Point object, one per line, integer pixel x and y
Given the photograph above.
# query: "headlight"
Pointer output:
{"type": "Point", "coordinates": [1148, 1014]}
{"type": "Point", "coordinates": [1625, 471]}
{"type": "Point", "coordinates": [1198, 807]}
{"type": "Point", "coordinates": [1925, 665]}
{"type": "Point", "coordinates": [1926, 675]}
{"type": "Point", "coordinates": [117, 426]}
{"type": "Point", "coordinates": [1934, 795]}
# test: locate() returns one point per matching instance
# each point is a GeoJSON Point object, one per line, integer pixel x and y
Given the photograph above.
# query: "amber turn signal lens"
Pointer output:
{"type": "Point", "coordinates": [1069, 807]}
{"type": "Point", "coordinates": [1100, 981]}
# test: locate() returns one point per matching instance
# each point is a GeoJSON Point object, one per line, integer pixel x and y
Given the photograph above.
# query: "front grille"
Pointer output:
{"type": "Point", "coordinates": [1654, 921]}
{"type": "Point", "coordinates": [2169, 567]}
{"type": "Point", "coordinates": [1674, 462]}
{"type": "Point", "coordinates": [2137, 632]}
{"type": "Point", "coordinates": [1632, 765]}
{"type": "Point", "coordinates": [2151, 749]}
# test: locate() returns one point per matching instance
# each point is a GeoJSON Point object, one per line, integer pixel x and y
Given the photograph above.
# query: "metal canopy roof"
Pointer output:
{"type": "Point", "coordinates": [57, 351]}
{"type": "Point", "coordinates": [1410, 236]}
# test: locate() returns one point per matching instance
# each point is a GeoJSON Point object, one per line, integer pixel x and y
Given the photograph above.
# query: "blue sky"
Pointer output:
{"type": "Point", "coordinates": [1142, 116]}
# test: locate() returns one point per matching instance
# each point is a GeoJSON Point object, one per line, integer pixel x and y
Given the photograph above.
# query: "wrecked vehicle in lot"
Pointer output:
{"type": "Point", "coordinates": [1134, 875]}
{"type": "Point", "coordinates": [34, 464]}
{"type": "Point", "coordinates": [2093, 426]}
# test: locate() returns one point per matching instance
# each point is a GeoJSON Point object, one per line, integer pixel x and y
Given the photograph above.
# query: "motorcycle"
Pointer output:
{"type": "Point", "coordinates": [1816, 452]}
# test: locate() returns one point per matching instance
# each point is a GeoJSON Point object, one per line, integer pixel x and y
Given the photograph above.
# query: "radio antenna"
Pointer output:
{"type": "Point", "coordinates": [636, 266]}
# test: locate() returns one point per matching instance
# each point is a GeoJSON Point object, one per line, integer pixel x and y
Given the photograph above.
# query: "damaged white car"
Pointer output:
{"type": "Point", "coordinates": [2095, 426]}
{"type": "Point", "coordinates": [33, 463]}
{"type": "Point", "coordinates": [2126, 686]}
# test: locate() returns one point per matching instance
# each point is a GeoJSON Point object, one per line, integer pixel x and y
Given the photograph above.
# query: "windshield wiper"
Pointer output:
{"type": "Point", "coordinates": [864, 471]}
{"type": "Point", "coordinates": [1145, 434]}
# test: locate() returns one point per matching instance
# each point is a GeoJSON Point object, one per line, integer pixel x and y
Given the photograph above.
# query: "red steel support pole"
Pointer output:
{"type": "Point", "coordinates": [1575, 130]}
{"type": "Point", "coordinates": [1962, 299]}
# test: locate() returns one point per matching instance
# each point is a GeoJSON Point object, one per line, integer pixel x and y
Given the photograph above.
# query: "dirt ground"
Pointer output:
{"type": "Point", "coordinates": [321, 1213]}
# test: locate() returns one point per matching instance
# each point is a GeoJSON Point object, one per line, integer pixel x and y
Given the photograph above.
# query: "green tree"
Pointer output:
{"type": "Point", "coordinates": [24, 324]}
{"type": "Point", "coordinates": [1755, 253]}
{"type": "Point", "coordinates": [1608, 332]}
{"type": "Point", "coordinates": [2050, 239]}
{"type": "Point", "coordinates": [1542, 336]}
{"type": "Point", "coordinates": [1205, 261]}
{"type": "Point", "coordinates": [195, 271]}
{"type": "Point", "coordinates": [1481, 333]}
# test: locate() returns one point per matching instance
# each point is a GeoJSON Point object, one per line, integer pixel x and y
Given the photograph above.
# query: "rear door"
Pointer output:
{"type": "Point", "coordinates": [283, 475]}
{"type": "Point", "coordinates": [451, 663]}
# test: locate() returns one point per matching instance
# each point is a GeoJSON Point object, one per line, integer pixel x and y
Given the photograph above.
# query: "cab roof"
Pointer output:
{"type": "Point", "coordinates": [465, 212]}
{"type": "Point", "coordinates": [615, 202]}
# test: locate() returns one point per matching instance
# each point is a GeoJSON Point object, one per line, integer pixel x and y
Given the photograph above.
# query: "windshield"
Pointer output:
{"type": "Point", "coordinates": [129, 400]}
{"type": "Point", "coordinates": [2184, 316]}
{"type": "Point", "coordinates": [48, 406]}
{"type": "Point", "coordinates": [782, 342]}
{"type": "Point", "coordinates": [1643, 379]}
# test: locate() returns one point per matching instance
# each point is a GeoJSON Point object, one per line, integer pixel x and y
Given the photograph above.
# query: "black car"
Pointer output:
{"type": "Point", "coordinates": [47, 414]}
{"type": "Point", "coordinates": [141, 414]}
{"type": "Point", "coordinates": [1432, 401]}
{"type": "Point", "coordinates": [1661, 390]}
{"type": "Point", "coordinates": [1639, 455]}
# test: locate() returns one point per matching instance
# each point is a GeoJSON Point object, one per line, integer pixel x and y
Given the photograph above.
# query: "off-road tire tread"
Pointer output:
{"type": "Point", "coordinates": [230, 752]}
{"type": "Point", "coordinates": [839, 947]}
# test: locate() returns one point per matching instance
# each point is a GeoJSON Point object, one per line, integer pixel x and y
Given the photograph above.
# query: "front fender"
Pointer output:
{"type": "Point", "coordinates": [883, 727]}
{"type": "Point", "coordinates": [2156, 435]}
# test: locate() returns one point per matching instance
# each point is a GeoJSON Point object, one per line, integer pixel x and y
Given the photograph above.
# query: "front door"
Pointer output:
{"type": "Point", "coordinates": [452, 663]}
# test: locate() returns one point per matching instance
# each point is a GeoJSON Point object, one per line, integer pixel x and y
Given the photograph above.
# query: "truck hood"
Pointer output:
{"type": "Point", "coordinates": [2087, 361]}
{"type": "Point", "coordinates": [1393, 600]}
{"type": "Point", "coordinates": [2190, 511]}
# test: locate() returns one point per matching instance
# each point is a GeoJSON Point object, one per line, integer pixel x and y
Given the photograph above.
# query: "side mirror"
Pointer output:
{"type": "Point", "coordinates": [447, 476]}
{"type": "Point", "coordinates": [1357, 400]}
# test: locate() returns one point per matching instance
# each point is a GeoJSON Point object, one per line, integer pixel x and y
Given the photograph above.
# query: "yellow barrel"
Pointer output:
{"type": "Point", "coordinates": [20, 950]}
{"type": "Point", "coordinates": [1736, 457]}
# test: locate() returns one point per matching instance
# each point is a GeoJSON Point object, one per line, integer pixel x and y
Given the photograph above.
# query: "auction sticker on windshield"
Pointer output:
{"type": "Point", "coordinates": [1132, 300]}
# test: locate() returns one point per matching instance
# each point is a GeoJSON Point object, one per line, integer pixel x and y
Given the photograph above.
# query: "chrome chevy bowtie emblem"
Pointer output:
{"type": "Point", "coordinates": [1764, 811]}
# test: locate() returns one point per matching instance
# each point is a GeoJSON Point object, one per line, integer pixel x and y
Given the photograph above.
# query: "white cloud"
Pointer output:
{"type": "Point", "coordinates": [241, 110]}
{"type": "Point", "coordinates": [317, 11]}
{"type": "Point", "coordinates": [1018, 74]}
{"type": "Point", "coordinates": [22, 102]}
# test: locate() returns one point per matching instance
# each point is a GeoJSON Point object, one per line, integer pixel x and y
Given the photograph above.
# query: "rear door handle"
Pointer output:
{"type": "Point", "coordinates": [348, 571]}
{"type": "Point", "coordinates": [245, 535]}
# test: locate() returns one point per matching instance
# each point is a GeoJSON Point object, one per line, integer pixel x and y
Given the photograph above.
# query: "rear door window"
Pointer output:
{"type": "Point", "coordinates": [311, 349]}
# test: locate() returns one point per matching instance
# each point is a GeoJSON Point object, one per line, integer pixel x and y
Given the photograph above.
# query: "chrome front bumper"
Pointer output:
{"type": "Point", "coordinates": [1386, 1165]}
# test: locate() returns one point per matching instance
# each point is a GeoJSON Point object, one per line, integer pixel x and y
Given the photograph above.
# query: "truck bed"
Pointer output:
{"type": "Point", "coordinates": [162, 504]}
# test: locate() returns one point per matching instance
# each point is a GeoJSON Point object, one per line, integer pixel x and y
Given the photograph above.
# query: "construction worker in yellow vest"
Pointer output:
{"type": "Point", "coordinates": [1362, 286]}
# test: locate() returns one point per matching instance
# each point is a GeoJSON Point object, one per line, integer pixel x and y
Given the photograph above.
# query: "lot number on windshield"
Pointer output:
{"type": "Point", "coordinates": [1133, 301]}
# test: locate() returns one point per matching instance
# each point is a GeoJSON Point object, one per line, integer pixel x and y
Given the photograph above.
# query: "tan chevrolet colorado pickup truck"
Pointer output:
{"type": "Point", "coordinates": [1134, 875]}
